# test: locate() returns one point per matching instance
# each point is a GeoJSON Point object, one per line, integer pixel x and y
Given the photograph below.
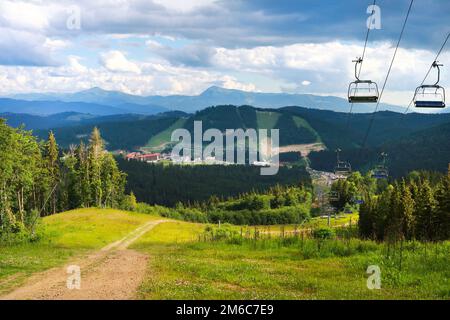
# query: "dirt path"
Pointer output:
{"type": "Point", "coordinates": [114, 272]}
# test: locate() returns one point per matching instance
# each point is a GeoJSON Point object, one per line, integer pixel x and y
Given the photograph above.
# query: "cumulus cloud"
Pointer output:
{"type": "Point", "coordinates": [25, 48]}
{"type": "Point", "coordinates": [237, 23]}
{"type": "Point", "coordinates": [116, 61]}
{"type": "Point", "coordinates": [194, 55]}
{"type": "Point", "coordinates": [156, 77]}
{"type": "Point", "coordinates": [185, 46]}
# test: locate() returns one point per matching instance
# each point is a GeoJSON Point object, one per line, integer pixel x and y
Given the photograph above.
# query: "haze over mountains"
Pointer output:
{"type": "Point", "coordinates": [102, 102]}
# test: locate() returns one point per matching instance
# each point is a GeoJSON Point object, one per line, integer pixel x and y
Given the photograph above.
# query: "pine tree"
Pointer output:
{"type": "Point", "coordinates": [366, 217]}
{"type": "Point", "coordinates": [52, 164]}
{"type": "Point", "coordinates": [113, 181]}
{"type": "Point", "coordinates": [442, 210]}
{"type": "Point", "coordinates": [84, 176]}
{"type": "Point", "coordinates": [407, 211]}
{"type": "Point", "coordinates": [95, 154]}
{"type": "Point", "coordinates": [394, 221]}
{"type": "Point", "coordinates": [424, 212]}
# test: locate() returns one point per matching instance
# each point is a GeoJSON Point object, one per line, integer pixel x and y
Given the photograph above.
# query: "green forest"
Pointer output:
{"type": "Point", "coordinates": [409, 140]}
{"type": "Point", "coordinates": [168, 184]}
{"type": "Point", "coordinates": [38, 179]}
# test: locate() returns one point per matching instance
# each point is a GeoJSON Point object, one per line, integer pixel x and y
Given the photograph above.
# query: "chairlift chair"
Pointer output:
{"type": "Point", "coordinates": [430, 96]}
{"type": "Point", "coordinates": [381, 171]}
{"type": "Point", "coordinates": [342, 167]}
{"type": "Point", "coordinates": [362, 91]}
{"type": "Point", "coordinates": [333, 196]}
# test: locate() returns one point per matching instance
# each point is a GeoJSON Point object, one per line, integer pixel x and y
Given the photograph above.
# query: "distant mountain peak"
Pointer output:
{"type": "Point", "coordinates": [94, 90]}
{"type": "Point", "coordinates": [216, 89]}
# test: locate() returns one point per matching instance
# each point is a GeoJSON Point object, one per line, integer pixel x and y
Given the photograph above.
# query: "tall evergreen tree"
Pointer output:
{"type": "Point", "coordinates": [95, 155]}
{"type": "Point", "coordinates": [52, 166]}
{"type": "Point", "coordinates": [424, 212]}
{"type": "Point", "coordinates": [442, 210]}
{"type": "Point", "coordinates": [407, 211]}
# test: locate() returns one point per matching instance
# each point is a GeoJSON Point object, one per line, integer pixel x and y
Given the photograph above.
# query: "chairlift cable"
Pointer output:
{"type": "Point", "coordinates": [387, 76]}
{"type": "Point", "coordinates": [429, 70]}
{"type": "Point", "coordinates": [360, 67]}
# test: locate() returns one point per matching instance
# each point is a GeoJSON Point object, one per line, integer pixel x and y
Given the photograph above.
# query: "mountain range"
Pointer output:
{"type": "Point", "coordinates": [102, 102]}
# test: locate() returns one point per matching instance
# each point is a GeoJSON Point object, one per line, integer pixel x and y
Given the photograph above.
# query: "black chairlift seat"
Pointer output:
{"type": "Point", "coordinates": [429, 104]}
{"type": "Point", "coordinates": [365, 99]}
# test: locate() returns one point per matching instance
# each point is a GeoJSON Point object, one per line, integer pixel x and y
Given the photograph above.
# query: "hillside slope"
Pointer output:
{"type": "Point", "coordinates": [427, 149]}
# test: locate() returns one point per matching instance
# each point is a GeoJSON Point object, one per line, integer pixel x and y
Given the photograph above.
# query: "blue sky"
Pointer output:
{"type": "Point", "coordinates": [183, 47]}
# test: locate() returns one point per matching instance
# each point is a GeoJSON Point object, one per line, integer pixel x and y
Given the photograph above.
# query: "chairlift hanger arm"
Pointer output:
{"type": "Point", "coordinates": [357, 61]}
{"type": "Point", "coordinates": [436, 64]}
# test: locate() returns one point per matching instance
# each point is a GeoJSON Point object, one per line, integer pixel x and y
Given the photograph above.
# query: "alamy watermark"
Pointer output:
{"type": "Point", "coordinates": [73, 21]}
{"type": "Point", "coordinates": [374, 20]}
{"type": "Point", "coordinates": [374, 279]}
{"type": "Point", "coordinates": [74, 279]}
{"type": "Point", "coordinates": [251, 146]}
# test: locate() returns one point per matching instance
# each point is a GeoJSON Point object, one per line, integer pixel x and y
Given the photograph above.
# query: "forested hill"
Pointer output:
{"type": "Point", "coordinates": [297, 125]}
{"type": "Point", "coordinates": [413, 141]}
{"type": "Point", "coordinates": [425, 149]}
{"type": "Point", "coordinates": [154, 132]}
{"type": "Point", "coordinates": [341, 130]}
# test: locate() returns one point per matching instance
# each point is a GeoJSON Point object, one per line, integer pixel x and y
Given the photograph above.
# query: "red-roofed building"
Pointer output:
{"type": "Point", "coordinates": [145, 157]}
{"type": "Point", "coordinates": [132, 156]}
{"type": "Point", "coordinates": [150, 157]}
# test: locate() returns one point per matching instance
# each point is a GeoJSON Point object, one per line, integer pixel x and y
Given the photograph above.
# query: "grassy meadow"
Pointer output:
{"type": "Point", "coordinates": [186, 264]}
{"type": "Point", "coordinates": [182, 267]}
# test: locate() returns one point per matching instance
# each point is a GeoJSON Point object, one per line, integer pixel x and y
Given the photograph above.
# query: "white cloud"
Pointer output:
{"type": "Point", "coordinates": [56, 44]}
{"type": "Point", "coordinates": [329, 67]}
{"type": "Point", "coordinates": [23, 15]}
{"type": "Point", "coordinates": [116, 61]}
{"type": "Point", "coordinates": [154, 45]}
{"type": "Point", "coordinates": [229, 82]}
{"type": "Point", "coordinates": [156, 77]}
{"type": "Point", "coordinates": [183, 5]}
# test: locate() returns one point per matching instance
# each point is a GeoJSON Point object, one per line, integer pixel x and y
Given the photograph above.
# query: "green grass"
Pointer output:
{"type": "Point", "coordinates": [62, 236]}
{"type": "Point", "coordinates": [302, 123]}
{"type": "Point", "coordinates": [183, 268]}
{"type": "Point", "coordinates": [267, 120]}
{"type": "Point", "coordinates": [317, 222]}
{"type": "Point", "coordinates": [157, 142]}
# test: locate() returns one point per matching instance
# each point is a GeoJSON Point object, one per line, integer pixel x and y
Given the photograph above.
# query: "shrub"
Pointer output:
{"type": "Point", "coordinates": [324, 233]}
